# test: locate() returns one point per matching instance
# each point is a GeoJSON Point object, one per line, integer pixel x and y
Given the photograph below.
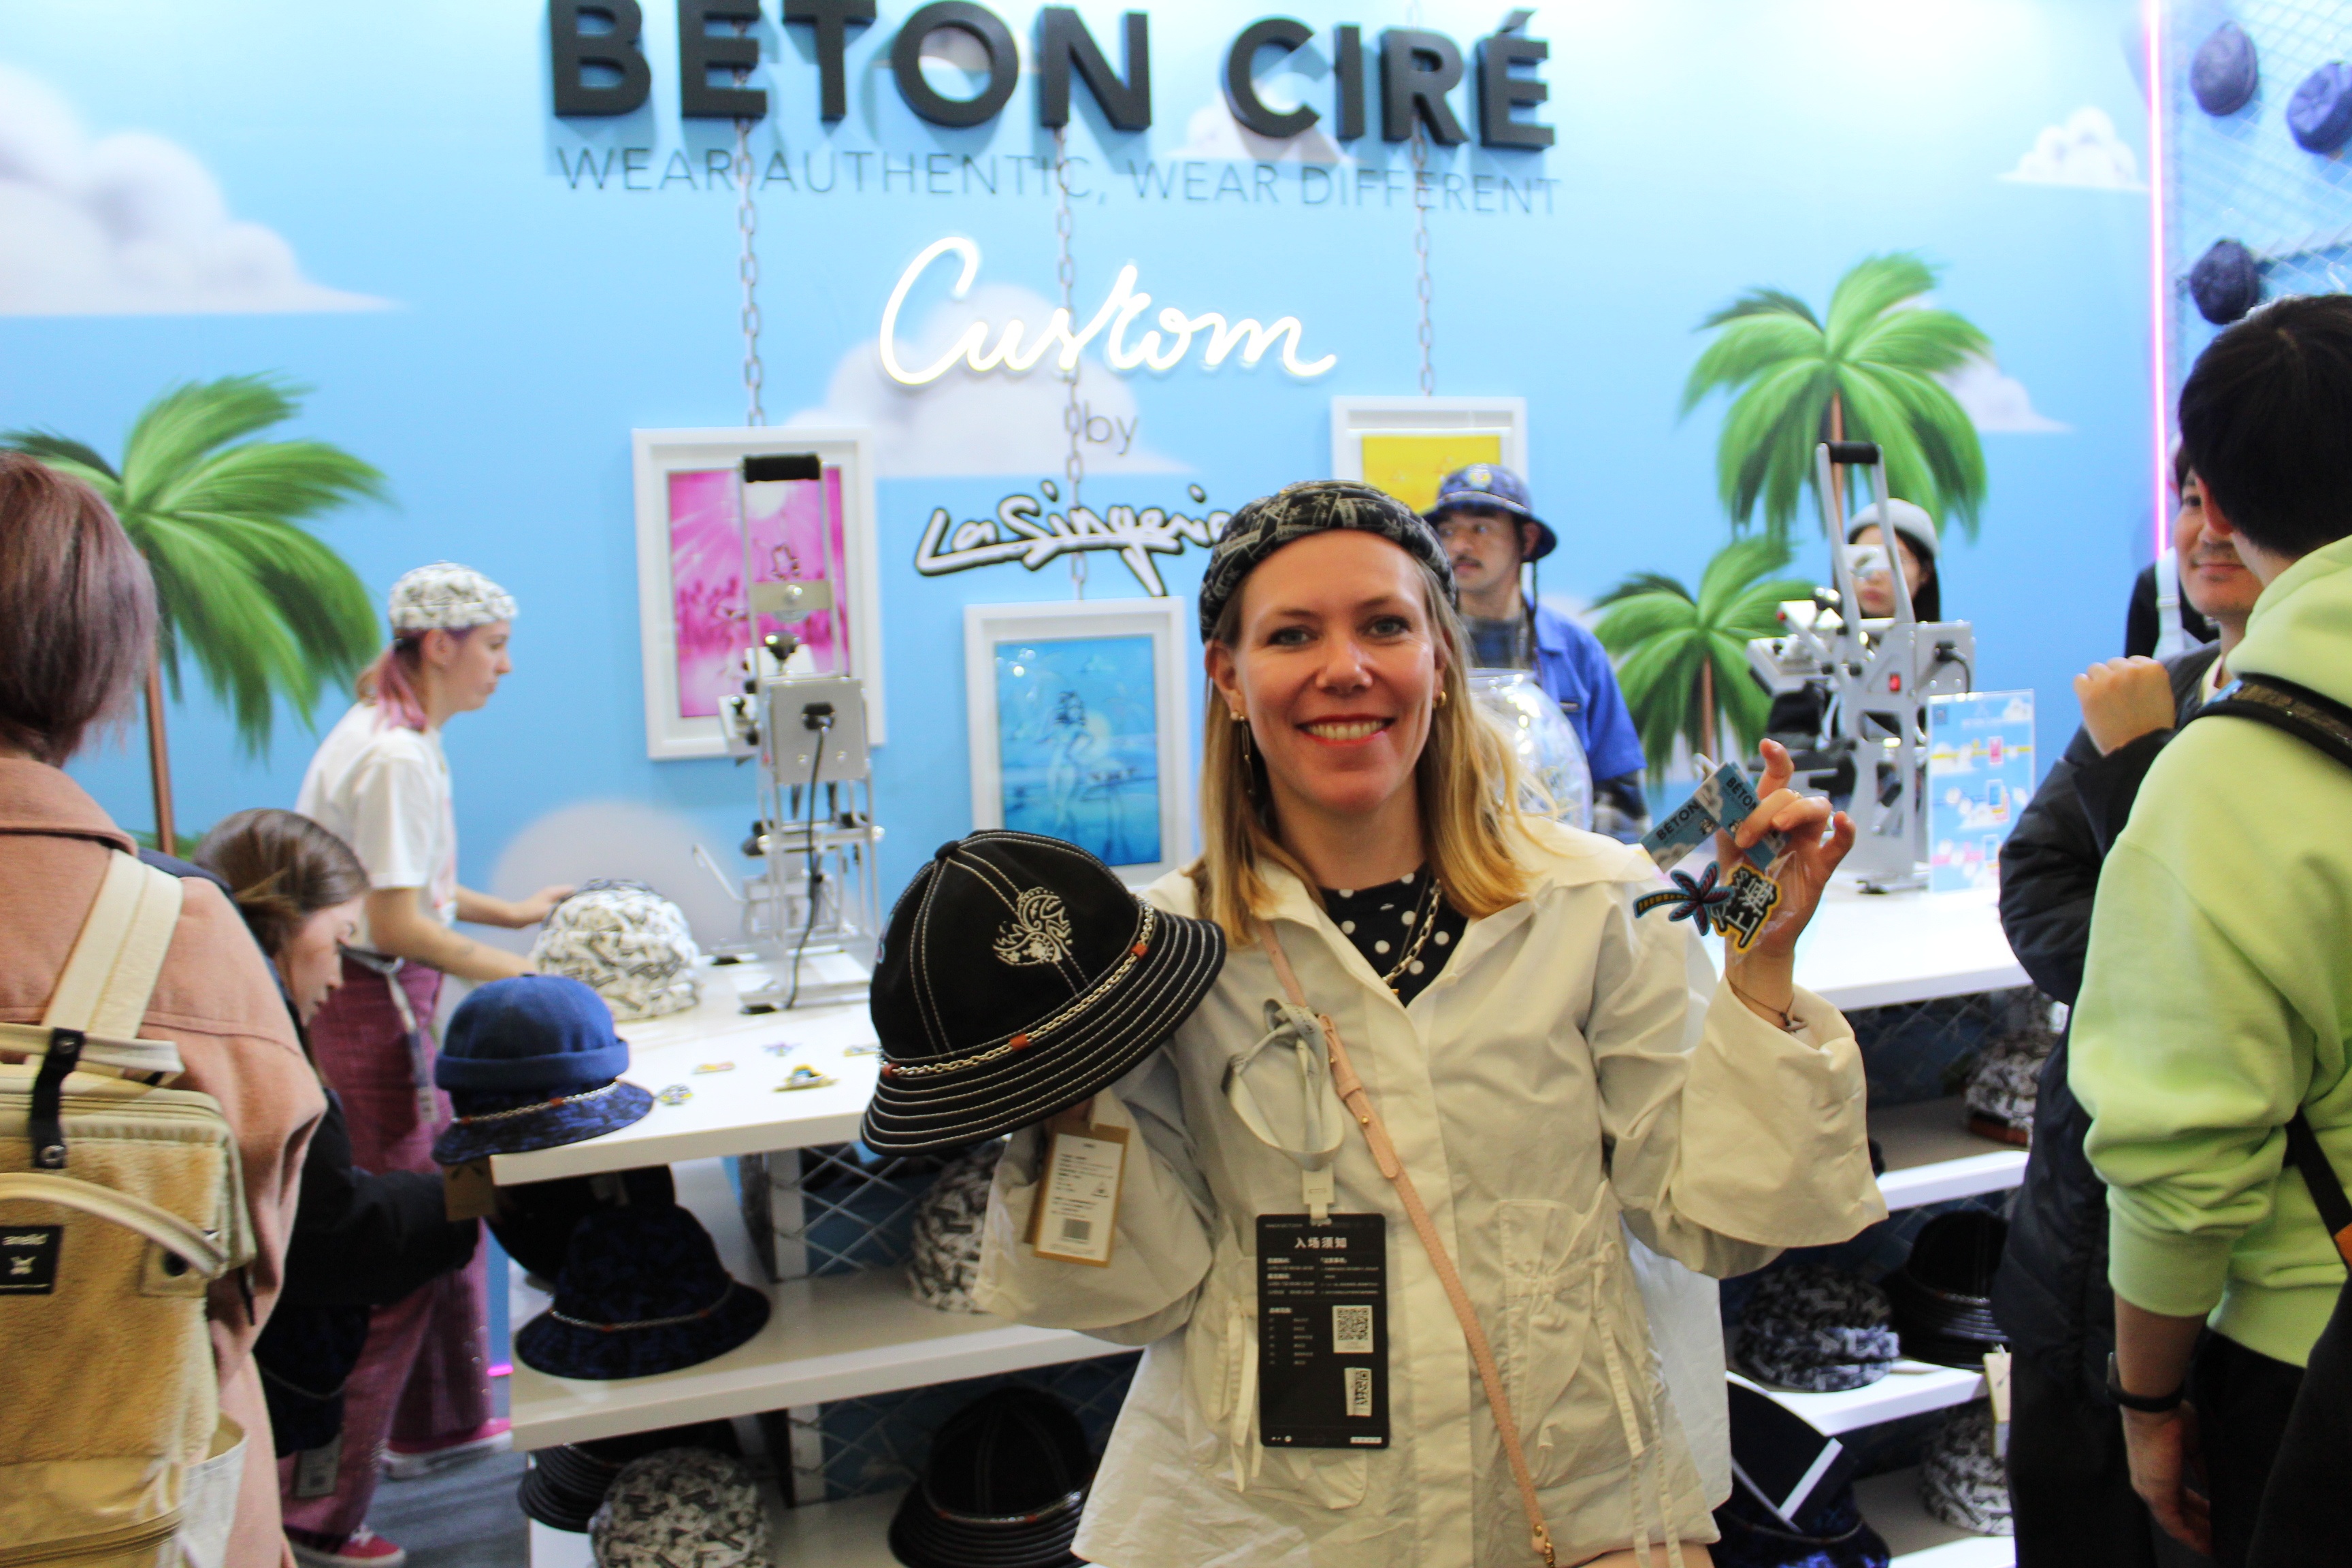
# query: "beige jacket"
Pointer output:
{"type": "Point", "coordinates": [1574, 1074]}
{"type": "Point", "coordinates": [216, 1001]}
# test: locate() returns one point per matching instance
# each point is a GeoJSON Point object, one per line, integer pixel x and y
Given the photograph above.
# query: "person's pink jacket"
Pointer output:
{"type": "Point", "coordinates": [219, 1002]}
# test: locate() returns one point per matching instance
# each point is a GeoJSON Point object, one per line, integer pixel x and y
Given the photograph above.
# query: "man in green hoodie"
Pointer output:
{"type": "Point", "coordinates": [2217, 996]}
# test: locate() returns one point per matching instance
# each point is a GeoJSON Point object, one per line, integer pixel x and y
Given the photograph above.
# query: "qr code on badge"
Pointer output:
{"type": "Point", "coordinates": [1360, 1391]}
{"type": "Point", "coordinates": [1351, 1331]}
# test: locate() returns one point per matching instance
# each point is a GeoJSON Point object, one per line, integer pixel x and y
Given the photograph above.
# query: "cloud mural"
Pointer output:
{"type": "Point", "coordinates": [2085, 152]}
{"type": "Point", "coordinates": [1213, 132]}
{"type": "Point", "coordinates": [1997, 403]}
{"type": "Point", "coordinates": [128, 224]}
{"type": "Point", "coordinates": [967, 424]}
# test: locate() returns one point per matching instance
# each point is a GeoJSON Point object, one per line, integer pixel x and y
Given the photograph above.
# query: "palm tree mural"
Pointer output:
{"type": "Point", "coordinates": [1866, 373]}
{"type": "Point", "coordinates": [265, 608]}
{"type": "Point", "coordinates": [1682, 657]}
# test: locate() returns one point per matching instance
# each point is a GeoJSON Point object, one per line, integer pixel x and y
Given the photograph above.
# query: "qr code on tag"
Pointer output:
{"type": "Point", "coordinates": [1077, 1229]}
{"type": "Point", "coordinates": [1360, 1391]}
{"type": "Point", "coordinates": [1351, 1331]}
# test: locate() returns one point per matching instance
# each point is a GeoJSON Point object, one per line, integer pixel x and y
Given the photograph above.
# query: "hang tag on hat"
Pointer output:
{"type": "Point", "coordinates": [1996, 1365]}
{"type": "Point", "coordinates": [467, 1192]}
{"type": "Point", "coordinates": [1075, 1216]}
{"type": "Point", "coordinates": [1322, 1331]}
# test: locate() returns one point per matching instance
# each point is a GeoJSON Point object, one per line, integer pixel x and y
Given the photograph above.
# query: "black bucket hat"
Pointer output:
{"type": "Point", "coordinates": [532, 1062]}
{"type": "Point", "coordinates": [535, 1219]}
{"type": "Point", "coordinates": [1004, 1488]}
{"type": "Point", "coordinates": [642, 1291]}
{"type": "Point", "coordinates": [1942, 1294]}
{"type": "Point", "coordinates": [1314, 506]}
{"type": "Point", "coordinates": [1018, 976]}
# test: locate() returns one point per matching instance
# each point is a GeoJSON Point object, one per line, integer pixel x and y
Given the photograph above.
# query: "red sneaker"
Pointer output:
{"type": "Point", "coordinates": [406, 1462]}
{"type": "Point", "coordinates": [364, 1548]}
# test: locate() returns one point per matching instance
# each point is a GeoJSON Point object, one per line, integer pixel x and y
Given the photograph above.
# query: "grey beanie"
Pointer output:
{"type": "Point", "coordinates": [681, 1508]}
{"type": "Point", "coordinates": [948, 1225]}
{"type": "Point", "coordinates": [1315, 506]}
{"type": "Point", "coordinates": [1813, 1327]}
{"type": "Point", "coordinates": [1961, 1480]}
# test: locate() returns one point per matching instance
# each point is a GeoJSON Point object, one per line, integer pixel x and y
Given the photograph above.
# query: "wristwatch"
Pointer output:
{"type": "Point", "coordinates": [2146, 1404]}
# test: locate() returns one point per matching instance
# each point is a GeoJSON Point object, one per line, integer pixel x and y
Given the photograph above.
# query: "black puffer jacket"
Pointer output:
{"type": "Point", "coordinates": [2050, 1295]}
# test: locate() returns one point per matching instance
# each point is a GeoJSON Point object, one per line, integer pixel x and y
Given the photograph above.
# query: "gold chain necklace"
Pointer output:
{"type": "Point", "coordinates": [1422, 920]}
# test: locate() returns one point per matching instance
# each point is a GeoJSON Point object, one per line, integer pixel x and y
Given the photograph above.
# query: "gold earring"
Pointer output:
{"type": "Point", "coordinates": [1441, 697]}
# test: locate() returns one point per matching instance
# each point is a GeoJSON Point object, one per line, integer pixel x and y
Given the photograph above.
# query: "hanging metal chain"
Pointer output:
{"type": "Point", "coordinates": [1422, 286]}
{"type": "Point", "coordinates": [1065, 270]}
{"type": "Point", "coordinates": [747, 264]}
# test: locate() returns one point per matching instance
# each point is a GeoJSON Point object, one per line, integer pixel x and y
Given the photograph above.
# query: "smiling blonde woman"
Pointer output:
{"type": "Point", "coordinates": [1557, 1078]}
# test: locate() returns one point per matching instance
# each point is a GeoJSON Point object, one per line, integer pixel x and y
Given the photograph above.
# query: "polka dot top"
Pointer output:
{"type": "Point", "coordinates": [1382, 922]}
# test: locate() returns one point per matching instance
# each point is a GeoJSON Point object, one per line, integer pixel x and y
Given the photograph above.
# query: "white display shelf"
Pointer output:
{"type": "Point", "coordinates": [839, 1337]}
{"type": "Point", "coordinates": [1874, 950]}
{"type": "Point", "coordinates": [1909, 1388]}
{"type": "Point", "coordinates": [1933, 1158]}
{"type": "Point", "coordinates": [1916, 1539]}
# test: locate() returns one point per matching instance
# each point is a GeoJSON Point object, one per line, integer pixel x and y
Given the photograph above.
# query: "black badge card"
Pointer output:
{"type": "Point", "coordinates": [1322, 1331]}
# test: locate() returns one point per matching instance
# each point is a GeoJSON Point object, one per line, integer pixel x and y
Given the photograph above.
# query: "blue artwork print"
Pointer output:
{"type": "Point", "coordinates": [1077, 743]}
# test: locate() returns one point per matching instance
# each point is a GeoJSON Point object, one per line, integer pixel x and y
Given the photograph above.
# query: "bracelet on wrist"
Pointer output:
{"type": "Point", "coordinates": [2145, 1403]}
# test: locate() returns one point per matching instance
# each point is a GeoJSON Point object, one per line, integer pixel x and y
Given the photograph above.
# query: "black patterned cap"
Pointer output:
{"type": "Point", "coordinates": [1315, 506]}
{"type": "Point", "coordinates": [1018, 976]}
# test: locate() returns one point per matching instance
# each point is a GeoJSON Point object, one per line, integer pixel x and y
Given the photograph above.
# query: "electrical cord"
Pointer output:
{"type": "Point", "coordinates": [821, 722]}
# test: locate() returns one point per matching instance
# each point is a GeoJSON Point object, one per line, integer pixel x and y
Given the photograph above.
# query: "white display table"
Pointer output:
{"type": "Point", "coordinates": [848, 1336]}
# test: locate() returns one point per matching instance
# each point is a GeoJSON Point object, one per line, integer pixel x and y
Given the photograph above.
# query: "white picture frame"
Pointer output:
{"type": "Point", "coordinates": [1435, 419]}
{"type": "Point", "coordinates": [1091, 796]}
{"type": "Point", "coordinates": [671, 733]}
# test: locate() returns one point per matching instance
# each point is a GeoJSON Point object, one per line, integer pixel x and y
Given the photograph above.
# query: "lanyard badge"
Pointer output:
{"type": "Point", "coordinates": [1736, 907]}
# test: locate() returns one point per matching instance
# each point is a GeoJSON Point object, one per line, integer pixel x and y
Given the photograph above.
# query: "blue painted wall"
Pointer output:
{"type": "Point", "coordinates": [533, 320]}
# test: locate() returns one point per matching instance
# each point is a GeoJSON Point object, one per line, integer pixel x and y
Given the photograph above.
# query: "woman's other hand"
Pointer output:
{"type": "Point", "coordinates": [1764, 975]}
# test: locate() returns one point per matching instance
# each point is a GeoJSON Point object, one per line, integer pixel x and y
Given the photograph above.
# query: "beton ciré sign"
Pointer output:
{"type": "Point", "coordinates": [1015, 351]}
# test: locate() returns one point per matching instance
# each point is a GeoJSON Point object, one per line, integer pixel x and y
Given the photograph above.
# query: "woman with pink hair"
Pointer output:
{"type": "Point", "coordinates": [419, 1397]}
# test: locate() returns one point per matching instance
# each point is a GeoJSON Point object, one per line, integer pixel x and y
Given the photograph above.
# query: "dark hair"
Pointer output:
{"type": "Point", "coordinates": [2266, 421]}
{"type": "Point", "coordinates": [284, 868]}
{"type": "Point", "coordinates": [77, 611]}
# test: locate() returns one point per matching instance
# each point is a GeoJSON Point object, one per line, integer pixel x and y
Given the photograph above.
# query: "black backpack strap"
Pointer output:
{"type": "Point", "coordinates": [2300, 711]}
{"type": "Point", "coordinates": [2326, 724]}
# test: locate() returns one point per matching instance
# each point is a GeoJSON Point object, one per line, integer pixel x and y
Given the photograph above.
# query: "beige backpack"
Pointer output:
{"type": "Point", "coordinates": [120, 1201]}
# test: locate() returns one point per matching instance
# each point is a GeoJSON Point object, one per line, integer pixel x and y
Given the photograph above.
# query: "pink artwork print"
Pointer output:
{"type": "Point", "coordinates": [789, 543]}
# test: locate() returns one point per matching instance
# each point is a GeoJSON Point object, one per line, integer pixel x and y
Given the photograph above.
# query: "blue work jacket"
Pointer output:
{"type": "Point", "coordinates": [1572, 666]}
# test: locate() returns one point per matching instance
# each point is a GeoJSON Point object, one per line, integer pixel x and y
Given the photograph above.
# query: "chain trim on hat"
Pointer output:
{"type": "Point", "coordinates": [1021, 1041]}
{"type": "Point", "coordinates": [538, 1105]}
{"type": "Point", "coordinates": [1058, 1507]}
{"type": "Point", "coordinates": [724, 1296]}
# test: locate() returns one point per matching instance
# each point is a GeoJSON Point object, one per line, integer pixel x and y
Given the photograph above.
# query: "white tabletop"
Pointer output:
{"type": "Point", "coordinates": [1862, 950]}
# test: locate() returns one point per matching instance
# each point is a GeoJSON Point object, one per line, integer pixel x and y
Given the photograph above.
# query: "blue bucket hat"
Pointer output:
{"type": "Point", "coordinates": [1489, 486]}
{"type": "Point", "coordinates": [642, 1292]}
{"type": "Point", "coordinates": [532, 1063]}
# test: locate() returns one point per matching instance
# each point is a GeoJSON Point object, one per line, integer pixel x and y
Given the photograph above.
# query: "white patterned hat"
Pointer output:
{"type": "Point", "coordinates": [628, 943]}
{"type": "Point", "coordinates": [446, 596]}
{"type": "Point", "coordinates": [1962, 1480]}
{"type": "Point", "coordinates": [946, 1257]}
{"type": "Point", "coordinates": [681, 1508]}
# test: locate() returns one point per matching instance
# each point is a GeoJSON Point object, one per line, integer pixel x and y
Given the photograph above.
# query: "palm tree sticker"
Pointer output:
{"type": "Point", "coordinates": [265, 608]}
{"type": "Point", "coordinates": [1867, 372]}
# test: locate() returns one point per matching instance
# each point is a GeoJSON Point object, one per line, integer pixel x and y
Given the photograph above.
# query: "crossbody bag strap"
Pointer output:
{"type": "Point", "coordinates": [1352, 1094]}
{"type": "Point", "coordinates": [2325, 724]}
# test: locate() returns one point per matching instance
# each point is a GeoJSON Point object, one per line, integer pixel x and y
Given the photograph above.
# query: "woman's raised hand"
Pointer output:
{"type": "Point", "coordinates": [1818, 840]}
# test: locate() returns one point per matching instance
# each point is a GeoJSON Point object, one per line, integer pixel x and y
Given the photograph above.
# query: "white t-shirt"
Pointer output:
{"type": "Point", "coordinates": [383, 789]}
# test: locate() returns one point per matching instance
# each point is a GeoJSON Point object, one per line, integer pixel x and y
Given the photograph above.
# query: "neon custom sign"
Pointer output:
{"type": "Point", "coordinates": [1015, 351]}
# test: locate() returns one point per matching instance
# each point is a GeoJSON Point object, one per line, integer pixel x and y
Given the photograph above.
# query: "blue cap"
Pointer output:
{"type": "Point", "coordinates": [1490, 487]}
{"type": "Point", "coordinates": [532, 1033]}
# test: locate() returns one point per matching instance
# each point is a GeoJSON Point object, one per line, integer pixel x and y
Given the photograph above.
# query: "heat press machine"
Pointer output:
{"type": "Point", "coordinates": [1878, 673]}
{"type": "Point", "coordinates": [813, 906]}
